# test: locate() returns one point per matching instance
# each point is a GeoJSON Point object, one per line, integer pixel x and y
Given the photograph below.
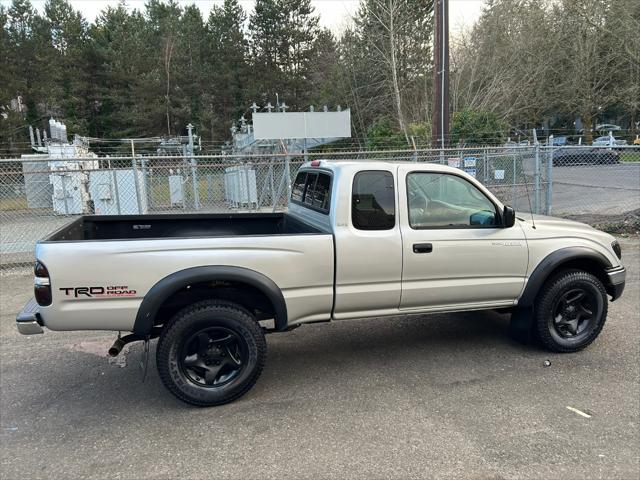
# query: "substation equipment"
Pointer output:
{"type": "Point", "coordinates": [274, 130]}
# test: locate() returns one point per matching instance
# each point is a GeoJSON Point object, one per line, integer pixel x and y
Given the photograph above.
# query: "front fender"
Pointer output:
{"type": "Point", "coordinates": [554, 260]}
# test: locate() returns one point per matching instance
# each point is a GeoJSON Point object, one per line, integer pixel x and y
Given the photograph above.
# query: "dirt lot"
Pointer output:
{"type": "Point", "coordinates": [440, 396]}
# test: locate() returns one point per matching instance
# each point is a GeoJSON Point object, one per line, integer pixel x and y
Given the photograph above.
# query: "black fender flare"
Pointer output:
{"type": "Point", "coordinates": [552, 261]}
{"type": "Point", "coordinates": [175, 282]}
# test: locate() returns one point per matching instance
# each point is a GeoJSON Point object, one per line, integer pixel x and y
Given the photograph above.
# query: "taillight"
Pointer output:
{"type": "Point", "coordinates": [42, 285]}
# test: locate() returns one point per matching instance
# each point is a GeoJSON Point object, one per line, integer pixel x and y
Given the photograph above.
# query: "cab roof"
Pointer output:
{"type": "Point", "coordinates": [336, 165]}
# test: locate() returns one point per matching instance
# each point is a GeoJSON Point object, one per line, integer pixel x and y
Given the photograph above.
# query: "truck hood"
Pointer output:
{"type": "Point", "coordinates": [553, 226]}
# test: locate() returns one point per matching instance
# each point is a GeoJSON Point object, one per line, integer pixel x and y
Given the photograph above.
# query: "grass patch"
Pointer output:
{"type": "Point", "coordinates": [630, 156]}
{"type": "Point", "coordinates": [19, 203]}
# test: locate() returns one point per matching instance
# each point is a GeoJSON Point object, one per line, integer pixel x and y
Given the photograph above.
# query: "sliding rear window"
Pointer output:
{"type": "Point", "coordinates": [313, 190]}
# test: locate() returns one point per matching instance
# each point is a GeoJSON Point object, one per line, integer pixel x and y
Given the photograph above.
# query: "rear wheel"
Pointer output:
{"type": "Point", "coordinates": [570, 311]}
{"type": "Point", "coordinates": [211, 353]}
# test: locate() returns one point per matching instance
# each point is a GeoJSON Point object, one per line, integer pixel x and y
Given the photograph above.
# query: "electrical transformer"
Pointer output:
{"type": "Point", "coordinates": [118, 192]}
{"type": "Point", "coordinates": [240, 186]}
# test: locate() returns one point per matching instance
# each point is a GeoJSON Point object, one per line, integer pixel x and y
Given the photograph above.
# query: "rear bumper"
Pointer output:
{"type": "Point", "coordinates": [28, 320]}
{"type": "Point", "coordinates": [617, 277]}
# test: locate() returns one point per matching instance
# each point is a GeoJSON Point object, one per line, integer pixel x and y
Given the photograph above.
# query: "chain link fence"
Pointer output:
{"type": "Point", "coordinates": [40, 194]}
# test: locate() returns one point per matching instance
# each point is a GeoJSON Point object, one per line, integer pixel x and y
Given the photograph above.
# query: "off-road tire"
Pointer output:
{"type": "Point", "coordinates": [551, 297]}
{"type": "Point", "coordinates": [206, 316]}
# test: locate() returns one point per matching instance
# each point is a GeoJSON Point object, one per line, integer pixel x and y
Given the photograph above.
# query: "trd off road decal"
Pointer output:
{"type": "Point", "coordinates": [99, 292]}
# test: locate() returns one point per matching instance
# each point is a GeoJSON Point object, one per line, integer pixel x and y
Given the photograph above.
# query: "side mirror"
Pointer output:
{"type": "Point", "coordinates": [508, 217]}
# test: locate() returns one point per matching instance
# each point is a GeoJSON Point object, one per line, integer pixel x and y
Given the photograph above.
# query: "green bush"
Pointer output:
{"type": "Point", "coordinates": [477, 127]}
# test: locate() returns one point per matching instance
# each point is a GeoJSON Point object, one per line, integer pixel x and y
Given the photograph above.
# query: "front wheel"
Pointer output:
{"type": "Point", "coordinates": [570, 311]}
{"type": "Point", "coordinates": [211, 353]}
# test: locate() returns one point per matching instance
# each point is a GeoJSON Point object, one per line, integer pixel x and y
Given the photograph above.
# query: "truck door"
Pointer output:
{"type": "Point", "coordinates": [369, 248]}
{"type": "Point", "coordinates": [456, 252]}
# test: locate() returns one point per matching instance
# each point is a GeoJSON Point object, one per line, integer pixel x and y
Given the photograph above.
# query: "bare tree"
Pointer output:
{"type": "Point", "coordinates": [503, 63]}
{"type": "Point", "coordinates": [391, 42]}
{"type": "Point", "coordinates": [528, 61]}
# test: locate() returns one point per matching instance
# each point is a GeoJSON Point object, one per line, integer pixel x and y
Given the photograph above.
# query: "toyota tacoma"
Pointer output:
{"type": "Point", "coordinates": [359, 239]}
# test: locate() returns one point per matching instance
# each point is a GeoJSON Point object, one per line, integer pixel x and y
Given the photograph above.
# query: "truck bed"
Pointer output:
{"type": "Point", "coordinates": [107, 227]}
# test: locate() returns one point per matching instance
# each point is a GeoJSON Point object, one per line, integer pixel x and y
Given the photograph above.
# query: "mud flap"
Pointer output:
{"type": "Point", "coordinates": [144, 359]}
{"type": "Point", "coordinates": [520, 328]}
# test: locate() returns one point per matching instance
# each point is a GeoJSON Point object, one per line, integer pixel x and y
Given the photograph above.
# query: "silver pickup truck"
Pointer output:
{"type": "Point", "coordinates": [360, 239]}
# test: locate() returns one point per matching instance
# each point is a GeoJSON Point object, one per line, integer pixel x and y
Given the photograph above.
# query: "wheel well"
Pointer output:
{"type": "Point", "coordinates": [588, 265]}
{"type": "Point", "coordinates": [245, 295]}
{"type": "Point", "coordinates": [578, 258]}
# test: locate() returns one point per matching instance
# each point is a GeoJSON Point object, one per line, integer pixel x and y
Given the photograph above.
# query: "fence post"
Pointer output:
{"type": "Point", "coordinates": [287, 168]}
{"type": "Point", "coordinates": [549, 191]}
{"type": "Point", "coordinates": [136, 184]}
{"type": "Point", "coordinates": [514, 192]}
{"type": "Point", "coordinates": [63, 179]}
{"type": "Point", "coordinates": [145, 184]}
{"type": "Point", "coordinates": [281, 184]}
{"type": "Point", "coordinates": [415, 149]}
{"type": "Point", "coordinates": [286, 177]}
{"type": "Point", "coordinates": [248, 187]}
{"type": "Point", "coordinates": [536, 180]}
{"type": "Point", "coordinates": [134, 166]}
{"type": "Point", "coordinates": [116, 192]}
{"type": "Point", "coordinates": [485, 160]}
{"type": "Point", "coordinates": [194, 171]}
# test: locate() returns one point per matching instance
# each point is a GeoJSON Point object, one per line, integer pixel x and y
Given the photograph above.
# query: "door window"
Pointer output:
{"type": "Point", "coordinates": [441, 200]}
{"type": "Point", "coordinates": [373, 205]}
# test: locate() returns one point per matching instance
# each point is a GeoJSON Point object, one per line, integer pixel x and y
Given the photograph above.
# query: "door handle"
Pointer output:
{"type": "Point", "coordinates": [422, 248]}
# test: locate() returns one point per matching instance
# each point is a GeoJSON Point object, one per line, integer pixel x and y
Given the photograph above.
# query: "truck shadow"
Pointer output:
{"type": "Point", "coordinates": [394, 342]}
{"type": "Point", "coordinates": [339, 353]}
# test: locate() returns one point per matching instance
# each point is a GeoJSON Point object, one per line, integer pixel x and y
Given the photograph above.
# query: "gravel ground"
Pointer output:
{"type": "Point", "coordinates": [440, 396]}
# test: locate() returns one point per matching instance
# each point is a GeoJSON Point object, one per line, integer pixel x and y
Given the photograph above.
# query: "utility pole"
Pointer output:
{"type": "Point", "coordinates": [440, 128]}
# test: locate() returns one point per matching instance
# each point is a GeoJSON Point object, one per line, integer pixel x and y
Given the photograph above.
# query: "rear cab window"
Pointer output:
{"type": "Point", "coordinates": [312, 190]}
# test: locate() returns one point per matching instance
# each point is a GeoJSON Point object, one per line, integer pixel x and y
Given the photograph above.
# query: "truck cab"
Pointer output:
{"type": "Point", "coordinates": [412, 237]}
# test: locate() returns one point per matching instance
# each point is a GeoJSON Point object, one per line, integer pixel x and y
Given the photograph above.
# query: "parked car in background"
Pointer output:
{"type": "Point", "coordinates": [607, 127]}
{"type": "Point", "coordinates": [584, 156]}
{"type": "Point", "coordinates": [566, 140]}
{"type": "Point", "coordinates": [637, 140]}
{"type": "Point", "coordinates": [607, 141]}
{"type": "Point", "coordinates": [560, 141]}
{"type": "Point", "coordinates": [520, 143]}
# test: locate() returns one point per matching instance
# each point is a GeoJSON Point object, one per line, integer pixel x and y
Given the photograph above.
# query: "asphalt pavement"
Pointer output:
{"type": "Point", "coordinates": [440, 396]}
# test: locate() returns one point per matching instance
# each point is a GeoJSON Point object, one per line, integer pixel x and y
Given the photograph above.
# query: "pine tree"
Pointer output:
{"type": "Point", "coordinates": [190, 62]}
{"type": "Point", "coordinates": [265, 34]}
{"type": "Point", "coordinates": [228, 95]}
{"type": "Point", "coordinates": [120, 65]}
{"type": "Point", "coordinates": [65, 59]}
{"type": "Point", "coordinates": [24, 35]}
{"type": "Point", "coordinates": [298, 49]}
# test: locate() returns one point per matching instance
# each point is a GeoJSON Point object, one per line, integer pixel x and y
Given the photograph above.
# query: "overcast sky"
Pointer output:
{"type": "Point", "coordinates": [334, 14]}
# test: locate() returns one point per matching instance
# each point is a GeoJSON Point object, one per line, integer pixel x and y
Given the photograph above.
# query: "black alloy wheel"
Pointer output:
{"type": "Point", "coordinates": [570, 311]}
{"type": "Point", "coordinates": [211, 353]}
{"type": "Point", "coordinates": [574, 313]}
{"type": "Point", "coordinates": [213, 356]}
